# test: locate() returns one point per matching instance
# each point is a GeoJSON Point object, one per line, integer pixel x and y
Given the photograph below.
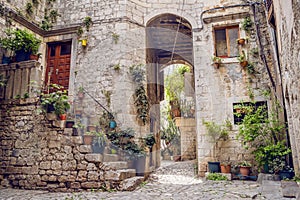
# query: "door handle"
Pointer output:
{"type": "Point", "coordinates": [56, 71]}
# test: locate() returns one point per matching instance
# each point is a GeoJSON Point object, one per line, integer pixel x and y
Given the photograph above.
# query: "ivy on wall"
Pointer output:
{"type": "Point", "coordinates": [141, 99]}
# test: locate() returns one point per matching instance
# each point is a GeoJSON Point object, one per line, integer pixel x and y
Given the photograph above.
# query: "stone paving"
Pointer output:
{"type": "Point", "coordinates": [171, 181]}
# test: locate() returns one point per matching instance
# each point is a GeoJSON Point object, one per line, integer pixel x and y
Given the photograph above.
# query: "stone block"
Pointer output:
{"type": "Point", "coordinates": [110, 158]}
{"type": "Point", "coordinates": [55, 165]}
{"type": "Point", "coordinates": [290, 189]}
{"type": "Point", "coordinates": [69, 165]}
{"type": "Point", "coordinates": [93, 176]}
{"type": "Point", "coordinates": [75, 185]}
{"type": "Point", "coordinates": [54, 144]}
{"type": "Point", "coordinates": [94, 158]}
{"type": "Point", "coordinates": [116, 165]}
{"type": "Point", "coordinates": [45, 165]}
{"type": "Point", "coordinates": [91, 167]}
{"type": "Point", "coordinates": [52, 178]}
{"type": "Point", "coordinates": [119, 175]}
{"type": "Point", "coordinates": [90, 185]}
{"type": "Point", "coordinates": [85, 149]}
{"type": "Point", "coordinates": [131, 184]}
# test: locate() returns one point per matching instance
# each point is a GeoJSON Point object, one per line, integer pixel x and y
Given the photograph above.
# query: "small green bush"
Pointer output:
{"type": "Point", "coordinates": [216, 177]}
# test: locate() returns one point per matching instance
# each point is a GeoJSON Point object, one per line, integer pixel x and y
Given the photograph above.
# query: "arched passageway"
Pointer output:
{"type": "Point", "coordinates": [169, 43]}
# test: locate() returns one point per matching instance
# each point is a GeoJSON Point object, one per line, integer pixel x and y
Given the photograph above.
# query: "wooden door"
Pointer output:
{"type": "Point", "coordinates": [58, 64]}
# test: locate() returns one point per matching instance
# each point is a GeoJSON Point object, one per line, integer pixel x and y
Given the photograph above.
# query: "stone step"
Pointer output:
{"type": "Point", "coordinates": [120, 175]}
{"type": "Point", "coordinates": [110, 157]}
{"type": "Point", "coordinates": [117, 165]}
{"type": "Point", "coordinates": [131, 184]}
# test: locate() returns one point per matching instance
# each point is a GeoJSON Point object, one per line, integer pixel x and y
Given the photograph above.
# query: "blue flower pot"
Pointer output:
{"type": "Point", "coordinates": [214, 167]}
{"type": "Point", "coordinates": [21, 55]}
{"type": "Point", "coordinates": [112, 124]}
{"type": "Point", "coordinates": [5, 60]}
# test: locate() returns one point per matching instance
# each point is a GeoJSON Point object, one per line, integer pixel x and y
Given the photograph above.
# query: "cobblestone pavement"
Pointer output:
{"type": "Point", "coordinates": [171, 181]}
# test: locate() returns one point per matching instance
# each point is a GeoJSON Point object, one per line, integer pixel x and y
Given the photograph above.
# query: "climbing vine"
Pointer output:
{"type": "Point", "coordinates": [141, 99]}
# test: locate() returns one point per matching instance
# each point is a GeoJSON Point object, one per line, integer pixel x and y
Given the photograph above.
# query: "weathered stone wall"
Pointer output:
{"type": "Point", "coordinates": [188, 134]}
{"type": "Point", "coordinates": [36, 155]}
{"type": "Point", "coordinates": [287, 28]}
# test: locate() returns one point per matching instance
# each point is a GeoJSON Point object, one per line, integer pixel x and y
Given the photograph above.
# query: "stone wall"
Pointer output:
{"type": "Point", "coordinates": [287, 29]}
{"type": "Point", "coordinates": [35, 154]}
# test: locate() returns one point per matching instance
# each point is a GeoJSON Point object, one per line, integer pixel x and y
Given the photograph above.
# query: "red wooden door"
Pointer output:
{"type": "Point", "coordinates": [58, 64]}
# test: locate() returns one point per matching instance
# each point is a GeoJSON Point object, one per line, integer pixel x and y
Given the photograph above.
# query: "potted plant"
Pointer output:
{"type": "Point", "coordinates": [99, 142]}
{"type": "Point", "coordinates": [286, 173]}
{"type": "Point", "coordinates": [245, 168]}
{"type": "Point", "coordinates": [242, 59]}
{"type": "Point", "coordinates": [226, 166]}
{"type": "Point", "coordinates": [56, 101]}
{"type": "Point", "coordinates": [21, 42]}
{"type": "Point", "coordinates": [216, 61]}
{"type": "Point", "coordinates": [215, 132]}
{"type": "Point", "coordinates": [88, 137]}
{"type": "Point", "coordinates": [241, 41]}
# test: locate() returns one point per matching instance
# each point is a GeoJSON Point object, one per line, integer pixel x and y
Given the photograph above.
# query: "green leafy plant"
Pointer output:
{"type": "Point", "coordinates": [29, 8]}
{"type": "Point", "coordinates": [245, 164]}
{"type": "Point", "coordinates": [242, 57]}
{"type": "Point", "coordinates": [264, 134]}
{"type": "Point", "coordinates": [18, 39]}
{"type": "Point", "coordinates": [216, 177]}
{"type": "Point", "coordinates": [115, 37]}
{"type": "Point", "coordinates": [250, 68]}
{"type": "Point", "coordinates": [247, 24]}
{"type": "Point", "coordinates": [149, 140]}
{"type": "Point", "coordinates": [141, 99]}
{"type": "Point", "coordinates": [100, 139]}
{"type": "Point", "coordinates": [216, 59]}
{"type": "Point", "coordinates": [58, 99]}
{"type": "Point", "coordinates": [87, 21]}
{"type": "Point", "coordinates": [53, 15]}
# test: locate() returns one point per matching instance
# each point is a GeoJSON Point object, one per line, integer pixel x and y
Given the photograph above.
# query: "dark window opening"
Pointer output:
{"type": "Point", "coordinates": [65, 49]}
{"type": "Point", "coordinates": [240, 110]}
{"type": "Point", "coordinates": [225, 41]}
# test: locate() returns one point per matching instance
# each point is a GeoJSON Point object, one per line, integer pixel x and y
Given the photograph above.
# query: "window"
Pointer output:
{"type": "Point", "coordinates": [240, 110]}
{"type": "Point", "coordinates": [225, 41]}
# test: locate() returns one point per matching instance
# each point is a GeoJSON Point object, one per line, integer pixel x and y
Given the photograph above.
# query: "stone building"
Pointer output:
{"type": "Point", "coordinates": [156, 34]}
{"type": "Point", "coordinates": [283, 18]}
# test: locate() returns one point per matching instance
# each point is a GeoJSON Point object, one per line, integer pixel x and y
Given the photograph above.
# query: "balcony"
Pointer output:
{"type": "Point", "coordinates": [21, 79]}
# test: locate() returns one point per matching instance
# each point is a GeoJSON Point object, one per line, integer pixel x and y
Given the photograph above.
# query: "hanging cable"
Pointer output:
{"type": "Point", "coordinates": [177, 31]}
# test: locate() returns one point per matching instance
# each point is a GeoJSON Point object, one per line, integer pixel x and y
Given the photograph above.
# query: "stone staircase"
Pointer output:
{"type": "Point", "coordinates": [119, 170]}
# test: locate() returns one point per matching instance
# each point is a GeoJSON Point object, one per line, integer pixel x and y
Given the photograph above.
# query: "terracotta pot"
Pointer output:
{"type": "Point", "coordinates": [216, 65]}
{"type": "Point", "coordinates": [88, 139]}
{"type": "Point", "coordinates": [244, 63]}
{"type": "Point", "coordinates": [176, 113]}
{"type": "Point", "coordinates": [91, 128]}
{"type": "Point", "coordinates": [245, 170]}
{"type": "Point", "coordinates": [241, 41]}
{"type": "Point", "coordinates": [63, 116]}
{"type": "Point", "coordinates": [225, 169]}
{"type": "Point", "coordinates": [34, 57]}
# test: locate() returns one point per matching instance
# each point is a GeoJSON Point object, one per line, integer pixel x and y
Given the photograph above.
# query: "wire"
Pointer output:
{"type": "Point", "coordinates": [178, 27]}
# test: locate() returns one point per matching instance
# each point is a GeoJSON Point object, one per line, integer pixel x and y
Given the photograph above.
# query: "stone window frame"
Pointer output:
{"type": "Point", "coordinates": [226, 27]}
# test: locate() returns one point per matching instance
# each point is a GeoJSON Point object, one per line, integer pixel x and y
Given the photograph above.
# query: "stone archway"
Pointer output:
{"type": "Point", "coordinates": [169, 41]}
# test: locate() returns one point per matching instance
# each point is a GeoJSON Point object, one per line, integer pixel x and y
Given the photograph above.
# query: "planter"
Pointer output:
{"type": "Point", "coordinates": [97, 148]}
{"type": "Point", "coordinates": [177, 158]}
{"type": "Point", "coordinates": [241, 41]}
{"type": "Point", "coordinates": [244, 63]}
{"type": "Point", "coordinates": [245, 170]}
{"type": "Point", "coordinates": [5, 60]}
{"type": "Point", "coordinates": [88, 139]}
{"type": "Point", "coordinates": [75, 132]}
{"type": "Point", "coordinates": [70, 124]}
{"type": "Point", "coordinates": [283, 174]}
{"type": "Point", "coordinates": [112, 124]}
{"type": "Point", "coordinates": [91, 128]}
{"type": "Point", "coordinates": [176, 113]}
{"type": "Point", "coordinates": [139, 165]}
{"type": "Point", "coordinates": [21, 55]}
{"type": "Point", "coordinates": [214, 167]}
{"type": "Point", "coordinates": [84, 42]}
{"type": "Point", "coordinates": [34, 57]}
{"type": "Point", "coordinates": [226, 169]}
{"type": "Point", "coordinates": [63, 116]}
{"type": "Point", "coordinates": [216, 65]}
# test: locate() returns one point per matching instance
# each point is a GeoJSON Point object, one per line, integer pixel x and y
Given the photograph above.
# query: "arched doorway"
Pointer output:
{"type": "Point", "coordinates": [170, 44]}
